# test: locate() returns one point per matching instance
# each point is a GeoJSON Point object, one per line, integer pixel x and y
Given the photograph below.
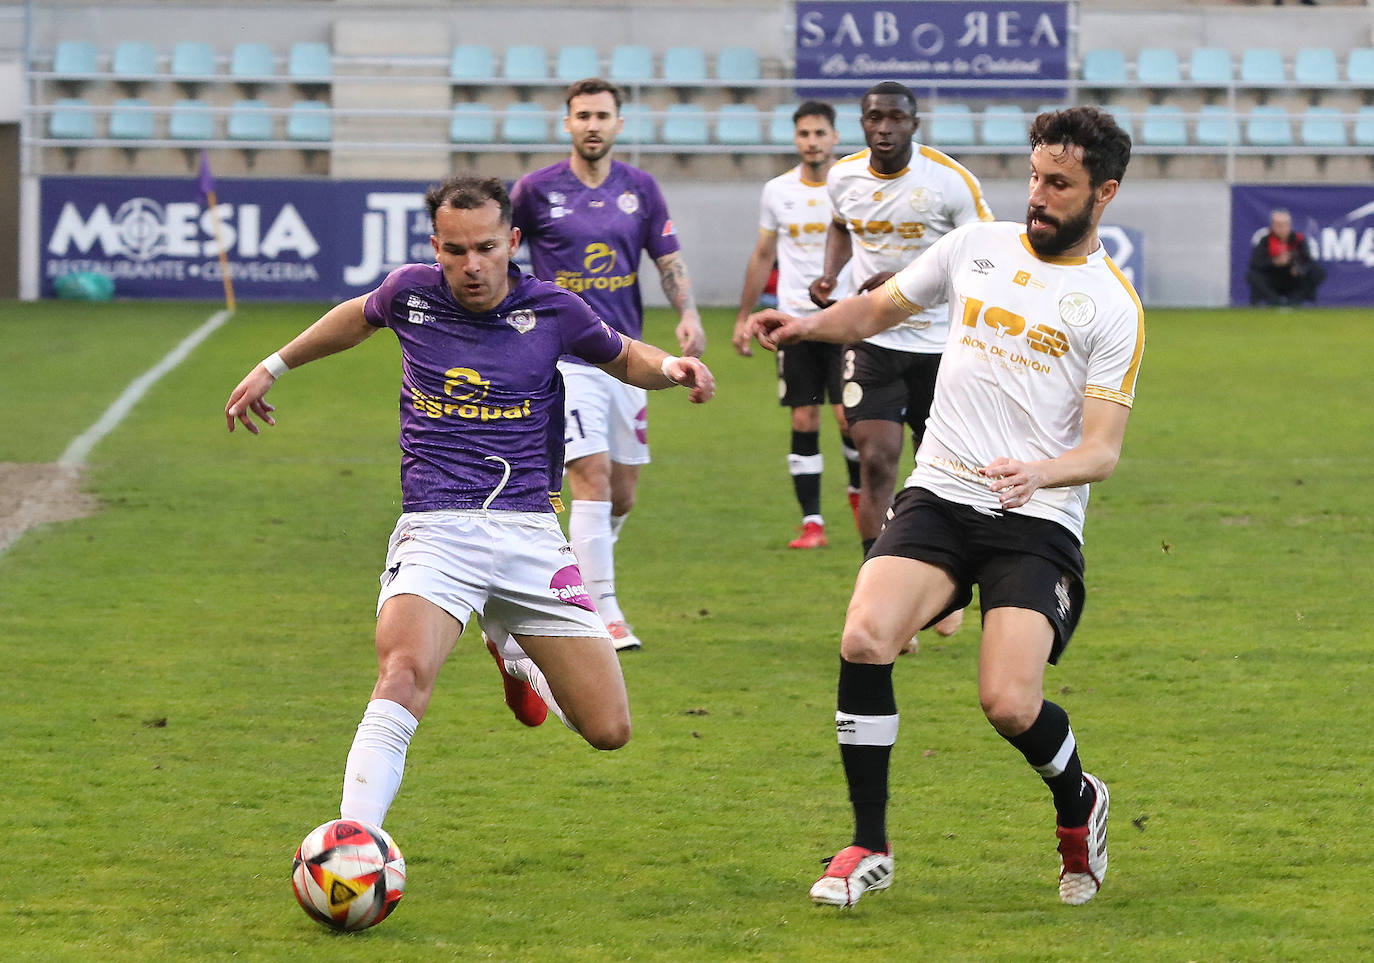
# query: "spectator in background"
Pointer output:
{"type": "Point", "coordinates": [1281, 267]}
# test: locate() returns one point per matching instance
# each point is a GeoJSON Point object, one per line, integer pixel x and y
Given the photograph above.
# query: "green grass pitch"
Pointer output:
{"type": "Point", "coordinates": [183, 673]}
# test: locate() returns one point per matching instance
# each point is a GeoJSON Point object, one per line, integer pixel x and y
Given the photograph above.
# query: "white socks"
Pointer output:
{"type": "Point", "coordinates": [593, 542]}
{"type": "Point", "coordinates": [377, 760]}
{"type": "Point", "coordinates": [531, 673]}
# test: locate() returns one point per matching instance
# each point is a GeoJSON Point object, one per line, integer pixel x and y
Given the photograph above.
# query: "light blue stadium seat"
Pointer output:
{"type": "Point", "coordinates": [739, 124]}
{"type": "Point", "coordinates": [1322, 127]}
{"type": "Point", "coordinates": [685, 125]}
{"type": "Point", "coordinates": [1126, 121]}
{"type": "Point", "coordinates": [639, 126]}
{"type": "Point", "coordinates": [1210, 65]}
{"type": "Point", "coordinates": [191, 120]}
{"type": "Point", "coordinates": [576, 63]}
{"type": "Point", "coordinates": [309, 120]}
{"type": "Point", "coordinates": [250, 120]}
{"type": "Point", "coordinates": [471, 62]}
{"type": "Point", "coordinates": [1268, 126]}
{"type": "Point", "coordinates": [524, 123]}
{"type": "Point", "coordinates": [1364, 127]}
{"type": "Point", "coordinates": [781, 128]}
{"type": "Point", "coordinates": [951, 125]}
{"type": "Point", "coordinates": [1316, 66]}
{"type": "Point", "coordinates": [738, 65]}
{"type": "Point", "coordinates": [74, 57]}
{"type": "Point", "coordinates": [1157, 67]}
{"type": "Point", "coordinates": [1105, 67]}
{"type": "Point", "coordinates": [131, 119]}
{"type": "Point", "coordinates": [134, 60]}
{"type": "Point", "coordinates": [1261, 65]}
{"type": "Point", "coordinates": [525, 61]}
{"type": "Point", "coordinates": [1005, 126]}
{"type": "Point", "coordinates": [252, 61]}
{"type": "Point", "coordinates": [472, 124]}
{"type": "Point", "coordinates": [1163, 126]}
{"type": "Point", "coordinates": [310, 62]}
{"type": "Point", "coordinates": [1216, 126]}
{"type": "Point", "coordinates": [71, 119]}
{"type": "Point", "coordinates": [684, 66]}
{"type": "Point", "coordinates": [847, 123]}
{"type": "Point", "coordinates": [631, 63]}
{"type": "Point", "coordinates": [1359, 66]}
{"type": "Point", "coordinates": [193, 60]}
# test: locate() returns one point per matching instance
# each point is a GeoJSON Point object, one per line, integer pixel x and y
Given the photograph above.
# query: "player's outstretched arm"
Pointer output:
{"type": "Point", "coordinates": [677, 288]}
{"type": "Point", "coordinates": [852, 319]}
{"type": "Point", "coordinates": [755, 280]}
{"type": "Point", "coordinates": [341, 327]}
{"type": "Point", "coordinates": [645, 366]}
{"type": "Point", "coordinates": [1092, 459]}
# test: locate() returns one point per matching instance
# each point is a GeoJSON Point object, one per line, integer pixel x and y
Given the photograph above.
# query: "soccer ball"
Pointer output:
{"type": "Point", "coordinates": [348, 874]}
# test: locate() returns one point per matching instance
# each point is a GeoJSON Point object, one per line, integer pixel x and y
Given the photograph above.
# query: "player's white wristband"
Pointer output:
{"type": "Point", "coordinates": [275, 366]}
{"type": "Point", "coordinates": [664, 367]}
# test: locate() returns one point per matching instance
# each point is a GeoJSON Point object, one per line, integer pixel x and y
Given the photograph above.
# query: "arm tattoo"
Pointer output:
{"type": "Point", "coordinates": [677, 286]}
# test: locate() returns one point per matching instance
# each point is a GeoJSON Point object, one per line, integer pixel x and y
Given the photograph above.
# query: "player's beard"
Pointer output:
{"type": "Point", "coordinates": [1067, 232]}
{"type": "Point", "coordinates": [591, 153]}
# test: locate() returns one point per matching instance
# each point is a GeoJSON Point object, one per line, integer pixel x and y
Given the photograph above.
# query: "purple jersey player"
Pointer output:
{"type": "Point", "coordinates": [587, 220]}
{"type": "Point", "coordinates": [481, 441]}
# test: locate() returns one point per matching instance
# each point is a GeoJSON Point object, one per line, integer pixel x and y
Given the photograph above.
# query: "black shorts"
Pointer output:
{"type": "Point", "coordinates": [1016, 560]}
{"type": "Point", "coordinates": [809, 373]}
{"type": "Point", "coordinates": [881, 384]}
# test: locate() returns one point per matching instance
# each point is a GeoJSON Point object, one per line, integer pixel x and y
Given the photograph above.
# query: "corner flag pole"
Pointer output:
{"type": "Point", "coordinates": [207, 190]}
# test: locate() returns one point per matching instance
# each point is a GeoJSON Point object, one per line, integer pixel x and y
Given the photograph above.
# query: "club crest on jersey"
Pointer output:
{"type": "Point", "coordinates": [921, 199]}
{"type": "Point", "coordinates": [628, 202]}
{"type": "Point", "coordinates": [1077, 309]}
{"type": "Point", "coordinates": [522, 321]}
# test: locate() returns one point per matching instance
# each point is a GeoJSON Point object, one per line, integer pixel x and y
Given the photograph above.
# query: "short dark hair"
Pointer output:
{"type": "Point", "coordinates": [593, 85]}
{"type": "Point", "coordinates": [468, 192]}
{"type": "Point", "coordinates": [814, 108]}
{"type": "Point", "coordinates": [1106, 147]}
{"type": "Point", "coordinates": [893, 88]}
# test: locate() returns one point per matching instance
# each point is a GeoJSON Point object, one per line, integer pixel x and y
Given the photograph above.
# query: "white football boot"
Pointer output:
{"type": "Point", "coordinates": [1083, 851]}
{"type": "Point", "coordinates": [850, 873]}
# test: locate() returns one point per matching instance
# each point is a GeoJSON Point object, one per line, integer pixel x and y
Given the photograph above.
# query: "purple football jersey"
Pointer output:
{"type": "Point", "coordinates": [481, 398]}
{"type": "Point", "coordinates": [589, 239]}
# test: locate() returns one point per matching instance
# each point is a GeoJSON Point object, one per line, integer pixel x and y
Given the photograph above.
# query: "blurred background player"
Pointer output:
{"type": "Point", "coordinates": [891, 202]}
{"type": "Point", "coordinates": [481, 418]}
{"type": "Point", "coordinates": [794, 214]}
{"type": "Point", "coordinates": [586, 220]}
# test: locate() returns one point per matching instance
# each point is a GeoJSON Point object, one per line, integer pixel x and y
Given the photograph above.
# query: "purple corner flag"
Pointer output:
{"type": "Point", "coordinates": [206, 182]}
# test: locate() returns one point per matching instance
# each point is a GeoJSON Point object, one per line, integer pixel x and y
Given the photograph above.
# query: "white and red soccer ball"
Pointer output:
{"type": "Point", "coordinates": [348, 874]}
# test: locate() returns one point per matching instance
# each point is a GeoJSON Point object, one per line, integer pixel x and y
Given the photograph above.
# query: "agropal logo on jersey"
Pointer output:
{"type": "Point", "coordinates": [598, 272]}
{"type": "Point", "coordinates": [465, 396]}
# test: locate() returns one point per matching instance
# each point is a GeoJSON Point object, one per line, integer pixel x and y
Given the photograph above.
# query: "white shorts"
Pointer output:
{"type": "Point", "coordinates": [604, 414]}
{"type": "Point", "coordinates": [515, 570]}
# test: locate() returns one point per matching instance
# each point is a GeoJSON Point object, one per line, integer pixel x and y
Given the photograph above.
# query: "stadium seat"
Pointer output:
{"type": "Point", "coordinates": [71, 119]}
{"type": "Point", "coordinates": [250, 120]}
{"type": "Point", "coordinates": [134, 60]}
{"type": "Point", "coordinates": [739, 124]}
{"type": "Point", "coordinates": [685, 125]}
{"type": "Point", "coordinates": [1216, 126]}
{"type": "Point", "coordinates": [1157, 67]}
{"type": "Point", "coordinates": [847, 123]}
{"type": "Point", "coordinates": [310, 120]}
{"type": "Point", "coordinates": [1126, 121]}
{"type": "Point", "coordinates": [472, 62]}
{"type": "Point", "coordinates": [193, 61]}
{"type": "Point", "coordinates": [781, 129]}
{"type": "Point", "coordinates": [525, 62]}
{"type": "Point", "coordinates": [1359, 66]}
{"type": "Point", "coordinates": [1364, 127]}
{"type": "Point", "coordinates": [252, 61]}
{"type": "Point", "coordinates": [131, 119]}
{"type": "Point", "coordinates": [1268, 126]}
{"type": "Point", "coordinates": [191, 120]}
{"type": "Point", "coordinates": [1210, 66]}
{"type": "Point", "coordinates": [472, 124]}
{"type": "Point", "coordinates": [639, 126]}
{"type": "Point", "coordinates": [524, 123]}
{"type": "Point", "coordinates": [738, 65]}
{"type": "Point", "coordinates": [1162, 126]}
{"type": "Point", "coordinates": [631, 63]}
{"type": "Point", "coordinates": [1322, 127]}
{"type": "Point", "coordinates": [1105, 67]}
{"type": "Point", "coordinates": [1262, 66]}
{"type": "Point", "coordinates": [1004, 125]}
{"type": "Point", "coordinates": [575, 63]}
{"type": "Point", "coordinates": [74, 58]}
{"type": "Point", "coordinates": [1316, 66]}
{"type": "Point", "coordinates": [310, 62]}
{"type": "Point", "coordinates": [951, 125]}
{"type": "Point", "coordinates": [684, 66]}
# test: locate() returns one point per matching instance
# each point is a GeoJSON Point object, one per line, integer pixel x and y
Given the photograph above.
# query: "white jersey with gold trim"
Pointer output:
{"type": "Point", "coordinates": [798, 211]}
{"type": "Point", "coordinates": [1030, 338]}
{"type": "Point", "coordinates": [893, 218]}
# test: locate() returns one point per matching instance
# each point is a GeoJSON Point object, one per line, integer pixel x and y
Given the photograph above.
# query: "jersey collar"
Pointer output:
{"type": "Point", "coordinates": [1057, 259]}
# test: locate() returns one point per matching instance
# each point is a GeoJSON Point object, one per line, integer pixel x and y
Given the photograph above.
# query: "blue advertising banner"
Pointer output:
{"type": "Point", "coordinates": [1126, 247]}
{"type": "Point", "coordinates": [1336, 220]}
{"type": "Point", "coordinates": [285, 239]}
{"type": "Point", "coordinates": [940, 41]}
